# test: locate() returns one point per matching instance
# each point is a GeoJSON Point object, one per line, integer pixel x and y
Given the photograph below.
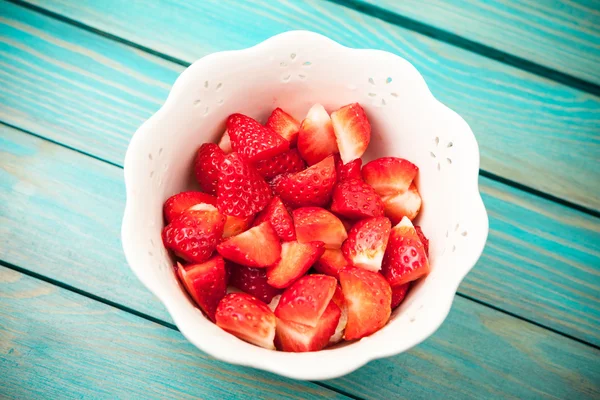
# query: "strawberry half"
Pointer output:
{"type": "Point", "coordinates": [331, 263]}
{"type": "Point", "coordinates": [236, 225]}
{"type": "Point", "coordinates": [257, 247]}
{"type": "Point", "coordinates": [284, 124]}
{"type": "Point", "coordinates": [311, 187]}
{"type": "Point", "coordinates": [253, 141]}
{"type": "Point", "coordinates": [355, 199]}
{"type": "Point", "coordinates": [284, 163]}
{"type": "Point", "coordinates": [366, 243]}
{"type": "Point", "coordinates": [225, 143]}
{"type": "Point", "coordinates": [350, 170]}
{"type": "Point", "coordinates": [389, 175]}
{"type": "Point", "coordinates": [252, 281]}
{"type": "Point", "coordinates": [405, 259]}
{"type": "Point", "coordinates": [296, 259]}
{"type": "Point", "coordinates": [177, 204]}
{"type": "Point", "coordinates": [207, 166]}
{"type": "Point", "coordinates": [316, 223]}
{"type": "Point", "coordinates": [280, 219]}
{"type": "Point", "coordinates": [398, 294]}
{"type": "Point", "coordinates": [423, 239]}
{"type": "Point", "coordinates": [206, 283]}
{"type": "Point", "coordinates": [368, 298]}
{"type": "Point", "coordinates": [242, 192]}
{"type": "Point", "coordinates": [306, 300]}
{"type": "Point", "coordinates": [316, 139]}
{"type": "Point", "coordinates": [247, 318]}
{"type": "Point", "coordinates": [406, 204]}
{"type": "Point", "coordinates": [352, 131]}
{"type": "Point", "coordinates": [194, 235]}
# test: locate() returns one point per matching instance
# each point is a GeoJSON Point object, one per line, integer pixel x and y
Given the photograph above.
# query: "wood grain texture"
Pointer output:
{"type": "Point", "coordinates": [530, 130]}
{"type": "Point", "coordinates": [562, 35]}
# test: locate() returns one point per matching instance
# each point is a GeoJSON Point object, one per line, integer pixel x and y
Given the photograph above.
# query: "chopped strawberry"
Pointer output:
{"type": "Point", "coordinates": [194, 235]}
{"type": "Point", "coordinates": [355, 199]}
{"type": "Point", "coordinates": [284, 124]}
{"type": "Point", "coordinates": [405, 259]}
{"type": "Point", "coordinates": [398, 294]}
{"type": "Point", "coordinates": [296, 259]}
{"type": "Point", "coordinates": [389, 175]}
{"type": "Point", "coordinates": [423, 239]}
{"type": "Point", "coordinates": [236, 225]}
{"type": "Point", "coordinates": [280, 219]}
{"type": "Point", "coordinates": [253, 141]}
{"type": "Point", "coordinates": [177, 204]}
{"type": "Point", "coordinates": [406, 204]}
{"type": "Point", "coordinates": [368, 298]}
{"type": "Point", "coordinates": [284, 163]}
{"type": "Point", "coordinates": [331, 263]}
{"type": "Point", "coordinates": [305, 301]}
{"type": "Point", "coordinates": [316, 223]}
{"type": "Point", "coordinates": [348, 171]}
{"type": "Point", "coordinates": [207, 166]}
{"type": "Point", "coordinates": [338, 299]}
{"type": "Point", "coordinates": [206, 283]}
{"type": "Point", "coordinates": [366, 243]}
{"type": "Point", "coordinates": [311, 187]}
{"type": "Point", "coordinates": [225, 143]}
{"type": "Point", "coordinates": [242, 192]}
{"type": "Point", "coordinates": [257, 247]}
{"type": "Point", "coordinates": [352, 131]}
{"type": "Point", "coordinates": [252, 281]}
{"type": "Point", "coordinates": [247, 318]}
{"type": "Point", "coordinates": [316, 139]}
{"type": "Point", "coordinates": [295, 337]}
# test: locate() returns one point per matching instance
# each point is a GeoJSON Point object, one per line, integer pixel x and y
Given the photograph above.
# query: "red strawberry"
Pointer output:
{"type": "Point", "coordinates": [305, 301]}
{"type": "Point", "coordinates": [406, 204]}
{"type": "Point", "coordinates": [316, 223]}
{"type": "Point", "coordinates": [207, 166]}
{"type": "Point", "coordinates": [338, 297]}
{"type": "Point", "coordinates": [423, 239]}
{"type": "Point", "coordinates": [253, 141]}
{"type": "Point", "coordinates": [368, 298]}
{"type": "Point", "coordinates": [225, 143]}
{"type": "Point", "coordinates": [252, 281]}
{"type": "Point", "coordinates": [389, 175]}
{"type": "Point", "coordinates": [296, 259]}
{"type": "Point", "coordinates": [311, 187]}
{"type": "Point", "coordinates": [316, 139]}
{"type": "Point", "coordinates": [331, 263]}
{"type": "Point", "coordinates": [247, 318]}
{"type": "Point", "coordinates": [352, 131]}
{"type": "Point", "coordinates": [194, 235]}
{"type": "Point", "coordinates": [294, 337]}
{"type": "Point", "coordinates": [284, 124]}
{"type": "Point", "coordinates": [206, 283]}
{"type": "Point", "coordinates": [242, 191]}
{"type": "Point", "coordinates": [405, 259]}
{"type": "Point", "coordinates": [356, 200]}
{"type": "Point", "coordinates": [398, 294]}
{"type": "Point", "coordinates": [257, 247]}
{"type": "Point", "coordinates": [284, 163]}
{"type": "Point", "coordinates": [177, 204]}
{"type": "Point", "coordinates": [236, 225]}
{"type": "Point", "coordinates": [366, 243]}
{"type": "Point", "coordinates": [348, 171]}
{"type": "Point", "coordinates": [280, 219]}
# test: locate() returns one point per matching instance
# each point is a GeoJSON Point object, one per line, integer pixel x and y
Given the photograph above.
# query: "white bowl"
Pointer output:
{"type": "Point", "coordinates": [294, 70]}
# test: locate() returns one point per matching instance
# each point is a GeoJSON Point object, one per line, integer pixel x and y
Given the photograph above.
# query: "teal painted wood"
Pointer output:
{"type": "Point", "coordinates": [562, 35]}
{"type": "Point", "coordinates": [58, 344]}
{"type": "Point", "coordinates": [530, 130]}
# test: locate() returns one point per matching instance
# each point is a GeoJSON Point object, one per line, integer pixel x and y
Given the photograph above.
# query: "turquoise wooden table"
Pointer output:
{"type": "Point", "coordinates": [77, 77]}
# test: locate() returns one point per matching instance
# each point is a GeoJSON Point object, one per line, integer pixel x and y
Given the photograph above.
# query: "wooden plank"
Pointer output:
{"type": "Point", "coordinates": [66, 345]}
{"type": "Point", "coordinates": [530, 130]}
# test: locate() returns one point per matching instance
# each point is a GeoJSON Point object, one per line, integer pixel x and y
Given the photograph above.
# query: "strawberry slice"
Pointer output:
{"type": "Point", "coordinates": [284, 163]}
{"type": "Point", "coordinates": [331, 263]}
{"type": "Point", "coordinates": [423, 239]}
{"type": "Point", "coordinates": [398, 294]}
{"type": "Point", "coordinates": [207, 166]}
{"type": "Point", "coordinates": [253, 141]}
{"type": "Point", "coordinates": [247, 318]}
{"type": "Point", "coordinates": [316, 139]}
{"type": "Point", "coordinates": [338, 299]}
{"type": "Point", "coordinates": [348, 171]}
{"type": "Point", "coordinates": [311, 187]}
{"type": "Point", "coordinates": [306, 300]}
{"type": "Point", "coordinates": [352, 131]}
{"type": "Point", "coordinates": [294, 337]}
{"type": "Point", "coordinates": [225, 143]}
{"type": "Point", "coordinates": [355, 199]}
{"type": "Point", "coordinates": [177, 204]}
{"type": "Point", "coordinates": [206, 283]}
{"type": "Point", "coordinates": [316, 223]}
{"type": "Point", "coordinates": [280, 219]}
{"type": "Point", "coordinates": [236, 225]}
{"type": "Point", "coordinates": [242, 192]}
{"type": "Point", "coordinates": [296, 259]}
{"type": "Point", "coordinates": [252, 281]}
{"type": "Point", "coordinates": [366, 243]}
{"type": "Point", "coordinates": [406, 204]}
{"type": "Point", "coordinates": [284, 124]}
{"type": "Point", "coordinates": [405, 259]}
{"type": "Point", "coordinates": [194, 235]}
{"type": "Point", "coordinates": [389, 175]}
{"type": "Point", "coordinates": [257, 247]}
{"type": "Point", "coordinates": [368, 298]}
